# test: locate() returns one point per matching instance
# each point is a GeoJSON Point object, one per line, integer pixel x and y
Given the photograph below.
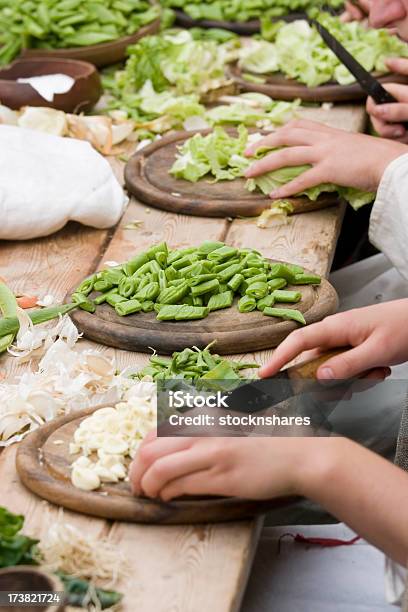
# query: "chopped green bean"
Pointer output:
{"type": "Point", "coordinates": [287, 296]}
{"type": "Point", "coordinates": [257, 290]}
{"type": "Point", "coordinates": [246, 304]}
{"type": "Point", "coordinates": [220, 300]}
{"type": "Point", "coordinates": [265, 302]}
{"type": "Point", "coordinates": [128, 307]}
{"type": "Point", "coordinates": [288, 314]}
{"type": "Point", "coordinates": [277, 283]}
{"type": "Point", "coordinates": [306, 279]}
{"type": "Point", "coordinates": [149, 292]}
{"type": "Point", "coordinates": [115, 298]}
{"type": "Point", "coordinates": [235, 282]}
{"type": "Point", "coordinates": [209, 286]}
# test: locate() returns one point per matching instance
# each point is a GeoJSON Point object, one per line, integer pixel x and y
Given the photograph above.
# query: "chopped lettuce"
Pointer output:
{"type": "Point", "coordinates": [253, 109]}
{"type": "Point", "coordinates": [245, 10]}
{"type": "Point", "coordinates": [221, 157]}
{"type": "Point", "coordinates": [297, 50]}
{"type": "Point", "coordinates": [175, 59]}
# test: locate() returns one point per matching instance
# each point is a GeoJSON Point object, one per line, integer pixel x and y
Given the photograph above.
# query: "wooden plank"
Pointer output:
{"type": "Point", "coordinates": [179, 568]}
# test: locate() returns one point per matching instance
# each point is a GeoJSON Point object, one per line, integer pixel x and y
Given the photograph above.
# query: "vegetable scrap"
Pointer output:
{"type": "Point", "coordinates": [193, 363]}
{"type": "Point", "coordinates": [220, 157]}
{"type": "Point", "coordinates": [297, 50]}
{"type": "Point", "coordinates": [15, 548]}
{"type": "Point", "coordinates": [188, 284]}
{"type": "Point", "coordinates": [168, 77]}
{"type": "Point", "coordinates": [63, 381]}
{"type": "Point", "coordinates": [66, 549]}
{"type": "Point", "coordinates": [80, 562]}
{"type": "Point", "coordinates": [51, 24]}
{"type": "Point", "coordinates": [110, 436]}
{"type": "Point", "coordinates": [104, 133]}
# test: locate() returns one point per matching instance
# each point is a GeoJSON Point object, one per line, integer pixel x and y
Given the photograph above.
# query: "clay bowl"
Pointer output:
{"type": "Point", "coordinates": [100, 55]}
{"type": "Point", "coordinates": [29, 578]}
{"type": "Point", "coordinates": [83, 95]}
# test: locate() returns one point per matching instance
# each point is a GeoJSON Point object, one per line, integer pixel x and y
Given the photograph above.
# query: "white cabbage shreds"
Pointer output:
{"type": "Point", "coordinates": [65, 379]}
{"type": "Point", "coordinates": [64, 548]}
{"type": "Point", "coordinates": [110, 436]}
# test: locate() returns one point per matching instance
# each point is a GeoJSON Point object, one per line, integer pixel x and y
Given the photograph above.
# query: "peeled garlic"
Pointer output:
{"type": "Point", "coordinates": [85, 478]}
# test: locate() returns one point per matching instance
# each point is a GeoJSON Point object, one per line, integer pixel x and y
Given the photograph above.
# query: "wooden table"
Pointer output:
{"type": "Point", "coordinates": [178, 568]}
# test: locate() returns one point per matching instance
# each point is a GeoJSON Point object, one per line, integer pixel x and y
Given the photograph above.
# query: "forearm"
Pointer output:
{"type": "Point", "coordinates": [363, 490]}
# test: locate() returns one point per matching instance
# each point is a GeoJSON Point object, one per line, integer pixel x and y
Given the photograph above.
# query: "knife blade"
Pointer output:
{"type": "Point", "coordinates": [265, 393]}
{"type": "Point", "coordinates": [368, 83]}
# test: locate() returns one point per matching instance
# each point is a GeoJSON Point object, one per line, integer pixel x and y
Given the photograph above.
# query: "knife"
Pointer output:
{"type": "Point", "coordinates": [265, 393]}
{"type": "Point", "coordinates": [368, 83]}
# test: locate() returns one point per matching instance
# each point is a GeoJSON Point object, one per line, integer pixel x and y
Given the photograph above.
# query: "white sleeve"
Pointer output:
{"type": "Point", "coordinates": [388, 229]}
{"type": "Point", "coordinates": [395, 582]}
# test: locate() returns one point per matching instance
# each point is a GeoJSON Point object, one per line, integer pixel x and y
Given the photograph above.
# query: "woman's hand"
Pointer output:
{"type": "Point", "coordinates": [253, 468]}
{"type": "Point", "coordinates": [387, 118]}
{"type": "Point", "coordinates": [336, 156]}
{"type": "Point", "coordinates": [356, 11]}
{"type": "Point", "coordinates": [377, 334]}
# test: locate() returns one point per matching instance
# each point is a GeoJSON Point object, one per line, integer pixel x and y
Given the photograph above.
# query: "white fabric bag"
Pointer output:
{"type": "Point", "coordinates": [46, 181]}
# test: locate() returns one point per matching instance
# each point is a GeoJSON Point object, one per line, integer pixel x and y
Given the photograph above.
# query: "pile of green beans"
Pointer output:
{"type": "Point", "coordinates": [188, 284]}
{"type": "Point", "coordinates": [52, 24]}
{"type": "Point", "coordinates": [193, 364]}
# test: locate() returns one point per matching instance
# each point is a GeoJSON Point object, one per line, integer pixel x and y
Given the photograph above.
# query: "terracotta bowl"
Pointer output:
{"type": "Point", "coordinates": [83, 95]}
{"type": "Point", "coordinates": [30, 578]}
{"type": "Point", "coordinates": [100, 55]}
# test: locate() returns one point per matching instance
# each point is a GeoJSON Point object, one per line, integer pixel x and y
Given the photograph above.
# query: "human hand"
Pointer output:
{"type": "Point", "coordinates": [336, 156]}
{"type": "Point", "coordinates": [356, 10]}
{"type": "Point", "coordinates": [253, 468]}
{"type": "Point", "coordinates": [387, 119]}
{"type": "Point", "coordinates": [377, 334]}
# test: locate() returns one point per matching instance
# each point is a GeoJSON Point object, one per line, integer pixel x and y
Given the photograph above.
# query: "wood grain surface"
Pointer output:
{"type": "Point", "coordinates": [182, 568]}
{"type": "Point", "coordinates": [44, 467]}
{"type": "Point", "coordinates": [280, 87]}
{"type": "Point", "coordinates": [234, 331]}
{"type": "Point", "coordinates": [147, 177]}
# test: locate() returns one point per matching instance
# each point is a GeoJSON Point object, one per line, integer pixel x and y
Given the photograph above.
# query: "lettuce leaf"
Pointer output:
{"type": "Point", "coordinates": [297, 50]}
{"type": "Point", "coordinates": [221, 157]}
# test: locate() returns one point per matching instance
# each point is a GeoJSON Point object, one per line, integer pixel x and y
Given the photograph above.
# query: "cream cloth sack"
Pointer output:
{"type": "Point", "coordinates": [47, 180]}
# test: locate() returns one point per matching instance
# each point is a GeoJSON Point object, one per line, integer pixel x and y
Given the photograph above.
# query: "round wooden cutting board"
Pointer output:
{"type": "Point", "coordinates": [43, 465]}
{"type": "Point", "coordinates": [234, 331]}
{"type": "Point", "coordinates": [244, 28]}
{"type": "Point", "coordinates": [147, 177]}
{"type": "Point", "coordinates": [281, 88]}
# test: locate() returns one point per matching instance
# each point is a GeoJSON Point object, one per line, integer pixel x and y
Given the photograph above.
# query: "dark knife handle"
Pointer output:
{"type": "Point", "coordinates": [381, 96]}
